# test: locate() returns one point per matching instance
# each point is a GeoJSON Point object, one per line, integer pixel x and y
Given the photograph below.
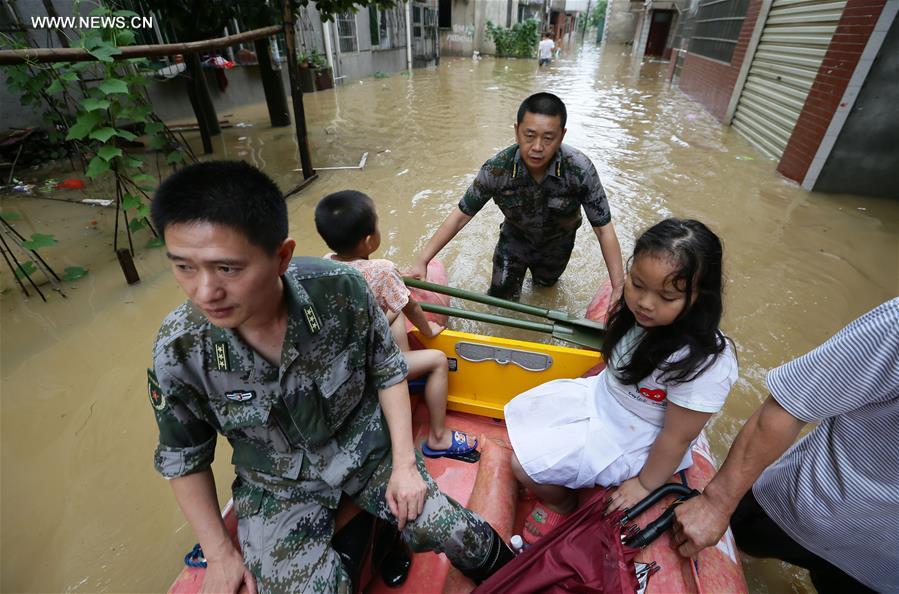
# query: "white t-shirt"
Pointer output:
{"type": "Point", "coordinates": [546, 49]}
{"type": "Point", "coordinates": [649, 398]}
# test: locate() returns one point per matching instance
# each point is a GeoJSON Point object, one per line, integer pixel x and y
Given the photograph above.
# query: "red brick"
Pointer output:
{"type": "Point", "coordinates": [862, 11]}
{"type": "Point", "coordinates": [864, 30]}
{"type": "Point", "coordinates": [851, 48]}
{"type": "Point", "coordinates": [860, 3]}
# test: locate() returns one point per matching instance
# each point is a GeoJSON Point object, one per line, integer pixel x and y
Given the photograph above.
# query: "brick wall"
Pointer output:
{"type": "Point", "coordinates": [847, 45]}
{"type": "Point", "coordinates": [711, 82]}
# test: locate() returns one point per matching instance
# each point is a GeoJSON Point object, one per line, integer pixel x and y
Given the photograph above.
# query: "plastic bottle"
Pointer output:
{"type": "Point", "coordinates": [517, 543]}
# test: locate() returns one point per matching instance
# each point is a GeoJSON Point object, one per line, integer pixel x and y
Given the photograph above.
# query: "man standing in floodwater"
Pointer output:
{"type": "Point", "coordinates": [293, 361]}
{"type": "Point", "coordinates": [540, 185]}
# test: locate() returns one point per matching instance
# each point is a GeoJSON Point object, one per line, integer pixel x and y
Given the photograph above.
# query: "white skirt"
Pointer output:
{"type": "Point", "coordinates": [571, 432]}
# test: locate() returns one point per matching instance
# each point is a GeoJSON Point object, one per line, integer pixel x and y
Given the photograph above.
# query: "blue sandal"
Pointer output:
{"type": "Point", "coordinates": [458, 450]}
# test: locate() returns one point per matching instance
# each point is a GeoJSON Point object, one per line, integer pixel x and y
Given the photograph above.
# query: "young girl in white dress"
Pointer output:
{"type": "Point", "coordinates": [668, 370]}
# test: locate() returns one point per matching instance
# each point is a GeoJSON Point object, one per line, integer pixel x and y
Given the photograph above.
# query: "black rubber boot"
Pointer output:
{"type": "Point", "coordinates": [393, 555]}
{"type": "Point", "coordinates": [499, 555]}
{"type": "Point", "coordinates": [395, 566]}
{"type": "Point", "coordinates": [351, 544]}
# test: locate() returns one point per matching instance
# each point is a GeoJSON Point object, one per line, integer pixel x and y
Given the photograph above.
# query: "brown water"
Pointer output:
{"type": "Point", "coordinates": [81, 507]}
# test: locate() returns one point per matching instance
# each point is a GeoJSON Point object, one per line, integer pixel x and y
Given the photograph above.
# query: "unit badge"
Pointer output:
{"type": "Point", "coordinates": [240, 395]}
{"type": "Point", "coordinates": [157, 398]}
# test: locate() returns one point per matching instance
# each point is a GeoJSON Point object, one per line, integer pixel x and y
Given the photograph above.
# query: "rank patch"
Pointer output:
{"type": "Point", "coordinates": [222, 356]}
{"type": "Point", "coordinates": [157, 398]}
{"type": "Point", "coordinates": [311, 319]}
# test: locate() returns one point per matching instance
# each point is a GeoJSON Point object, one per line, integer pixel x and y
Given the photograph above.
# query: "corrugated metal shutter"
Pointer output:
{"type": "Point", "coordinates": [790, 51]}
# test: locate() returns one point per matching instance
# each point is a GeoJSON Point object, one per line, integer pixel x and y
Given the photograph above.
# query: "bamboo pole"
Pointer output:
{"type": "Point", "coordinates": [73, 54]}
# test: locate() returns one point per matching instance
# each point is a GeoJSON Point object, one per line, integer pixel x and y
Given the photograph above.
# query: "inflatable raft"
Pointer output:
{"type": "Point", "coordinates": [485, 373]}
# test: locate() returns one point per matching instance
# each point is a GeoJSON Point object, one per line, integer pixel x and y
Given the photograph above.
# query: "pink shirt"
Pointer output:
{"type": "Point", "coordinates": [384, 281]}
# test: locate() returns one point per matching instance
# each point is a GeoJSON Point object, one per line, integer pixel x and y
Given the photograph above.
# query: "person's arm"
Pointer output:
{"type": "Point", "coordinates": [611, 253]}
{"type": "Point", "coordinates": [702, 521]}
{"type": "Point", "coordinates": [681, 427]}
{"type": "Point", "coordinates": [406, 489]}
{"type": "Point", "coordinates": [225, 571]}
{"type": "Point", "coordinates": [416, 315]}
{"type": "Point", "coordinates": [444, 234]}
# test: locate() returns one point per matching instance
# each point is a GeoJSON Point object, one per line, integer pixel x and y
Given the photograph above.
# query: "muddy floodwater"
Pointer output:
{"type": "Point", "coordinates": [82, 509]}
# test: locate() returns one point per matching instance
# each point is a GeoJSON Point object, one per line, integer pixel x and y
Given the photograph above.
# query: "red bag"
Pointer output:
{"type": "Point", "coordinates": [583, 554]}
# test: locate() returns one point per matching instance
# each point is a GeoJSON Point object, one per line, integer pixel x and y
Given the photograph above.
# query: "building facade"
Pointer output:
{"type": "Point", "coordinates": [801, 80]}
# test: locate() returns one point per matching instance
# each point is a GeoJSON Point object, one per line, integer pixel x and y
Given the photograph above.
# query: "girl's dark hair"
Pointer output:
{"type": "Point", "coordinates": [230, 193]}
{"type": "Point", "coordinates": [345, 218]}
{"type": "Point", "coordinates": [696, 254]}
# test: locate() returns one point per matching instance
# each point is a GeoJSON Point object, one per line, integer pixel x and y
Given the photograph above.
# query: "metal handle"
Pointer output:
{"type": "Point", "coordinates": [654, 529]}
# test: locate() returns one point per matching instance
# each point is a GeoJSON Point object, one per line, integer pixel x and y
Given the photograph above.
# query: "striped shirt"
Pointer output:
{"type": "Point", "coordinates": [836, 491]}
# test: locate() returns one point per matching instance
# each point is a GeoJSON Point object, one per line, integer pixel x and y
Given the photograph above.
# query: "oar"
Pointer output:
{"type": "Point", "coordinates": [561, 325]}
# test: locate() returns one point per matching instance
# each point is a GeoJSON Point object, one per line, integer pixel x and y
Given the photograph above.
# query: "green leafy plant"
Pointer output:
{"type": "Point", "coordinates": [519, 41]}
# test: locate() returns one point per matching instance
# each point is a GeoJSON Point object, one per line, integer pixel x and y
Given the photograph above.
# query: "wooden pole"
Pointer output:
{"type": "Point", "coordinates": [296, 93]}
{"type": "Point", "coordinates": [275, 97]}
{"type": "Point", "coordinates": [75, 54]}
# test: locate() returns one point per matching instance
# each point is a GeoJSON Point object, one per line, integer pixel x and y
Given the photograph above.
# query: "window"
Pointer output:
{"type": "Point", "coordinates": [373, 26]}
{"type": "Point", "coordinates": [717, 27]}
{"type": "Point", "coordinates": [346, 32]}
{"type": "Point", "coordinates": [397, 17]}
{"type": "Point", "coordinates": [445, 15]}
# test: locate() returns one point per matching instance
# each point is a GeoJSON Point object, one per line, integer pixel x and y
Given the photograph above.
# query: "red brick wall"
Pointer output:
{"type": "Point", "coordinates": [846, 47]}
{"type": "Point", "coordinates": [711, 82]}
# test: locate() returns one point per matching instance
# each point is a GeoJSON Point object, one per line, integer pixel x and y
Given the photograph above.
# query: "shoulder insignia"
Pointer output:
{"type": "Point", "coordinates": [311, 319]}
{"type": "Point", "coordinates": [222, 356]}
{"type": "Point", "coordinates": [157, 398]}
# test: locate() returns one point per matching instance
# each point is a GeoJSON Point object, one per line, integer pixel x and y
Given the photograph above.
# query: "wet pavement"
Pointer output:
{"type": "Point", "coordinates": [80, 505]}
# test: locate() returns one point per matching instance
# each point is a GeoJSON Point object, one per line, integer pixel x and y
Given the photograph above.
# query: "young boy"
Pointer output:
{"type": "Point", "coordinates": [348, 223]}
{"type": "Point", "coordinates": [293, 362]}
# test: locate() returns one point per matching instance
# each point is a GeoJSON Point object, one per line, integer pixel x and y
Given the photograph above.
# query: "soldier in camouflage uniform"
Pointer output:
{"type": "Point", "coordinates": [293, 362]}
{"type": "Point", "coordinates": [540, 185]}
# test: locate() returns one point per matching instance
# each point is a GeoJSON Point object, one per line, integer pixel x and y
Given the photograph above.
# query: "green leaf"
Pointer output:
{"type": "Point", "coordinates": [111, 86]}
{"type": "Point", "coordinates": [132, 162]}
{"type": "Point", "coordinates": [10, 216]}
{"type": "Point", "coordinates": [102, 134]}
{"type": "Point", "coordinates": [174, 157]}
{"type": "Point", "coordinates": [81, 66]}
{"type": "Point", "coordinates": [130, 201]}
{"type": "Point", "coordinates": [136, 224]}
{"type": "Point", "coordinates": [73, 273]}
{"type": "Point", "coordinates": [155, 243]}
{"type": "Point", "coordinates": [143, 210]}
{"type": "Point", "coordinates": [153, 127]}
{"type": "Point", "coordinates": [125, 134]}
{"type": "Point", "coordinates": [144, 181]}
{"type": "Point", "coordinates": [69, 76]}
{"type": "Point", "coordinates": [38, 241]}
{"type": "Point", "coordinates": [55, 87]}
{"type": "Point", "coordinates": [157, 142]}
{"type": "Point", "coordinates": [109, 152]}
{"type": "Point", "coordinates": [83, 125]}
{"type": "Point", "coordinates": [94, 104]}
{"type": "Point", "coordinates": [98, 166]}
{"type": "Point", "coordinates": [124, 37]}
{"type": "Point", "coordinates": [104, 53]}
{"type": "Point", "coordinates": [25, 269]}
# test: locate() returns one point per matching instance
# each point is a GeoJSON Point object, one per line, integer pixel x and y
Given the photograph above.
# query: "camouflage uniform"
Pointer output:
{"type": "Point", "coordinates": [303, 433]}
{"type": "Point", "coordinates": [541, 219]}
